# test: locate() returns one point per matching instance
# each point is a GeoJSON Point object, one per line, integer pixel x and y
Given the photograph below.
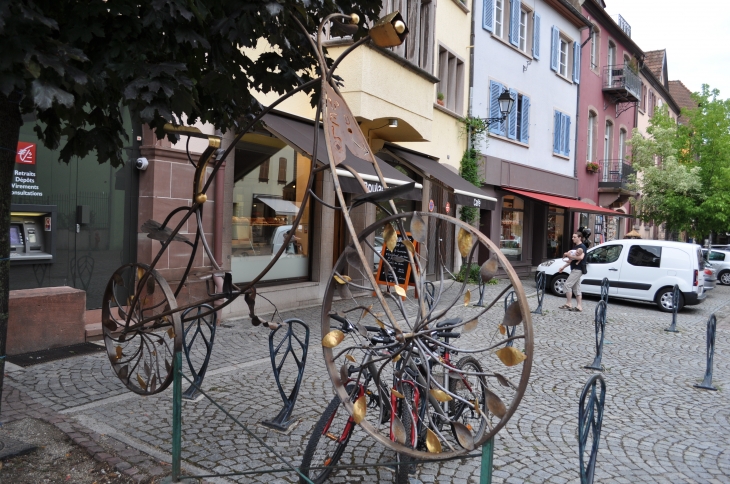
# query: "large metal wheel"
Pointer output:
{"type": "Point", "coordinates": [141, 332]}
{"type": "Point", "coordinates": [417, 356]}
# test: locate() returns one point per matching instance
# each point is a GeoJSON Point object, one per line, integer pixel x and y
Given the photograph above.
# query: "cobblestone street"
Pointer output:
{"type": "Point", "coordinates": [656, 426]}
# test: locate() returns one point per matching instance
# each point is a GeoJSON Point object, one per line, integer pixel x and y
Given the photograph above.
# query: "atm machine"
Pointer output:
{"type": "Point", "coordinates": [32, 234]}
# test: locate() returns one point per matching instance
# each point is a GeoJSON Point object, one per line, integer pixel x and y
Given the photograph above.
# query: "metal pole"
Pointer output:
{"type": "Point", "coordinates": [675, 307]}
{"type": "Point", "coordinates": [177, 417]}
{"type": "Point", "coordinates": [707, 382]}
{"type": "Point", "coordinates": [485, 476]}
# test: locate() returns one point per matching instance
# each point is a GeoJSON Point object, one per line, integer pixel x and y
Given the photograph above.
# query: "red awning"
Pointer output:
{"type": "Point", "coordinates": [569, 203]}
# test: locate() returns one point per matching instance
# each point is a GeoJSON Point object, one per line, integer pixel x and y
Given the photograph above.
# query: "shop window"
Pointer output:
{"type": "Point", "coordinates": [264, 209]}
{"type": "Point", "coordinates": [513, 221]}
{"type": "Point", "coordinates": [555, 224]}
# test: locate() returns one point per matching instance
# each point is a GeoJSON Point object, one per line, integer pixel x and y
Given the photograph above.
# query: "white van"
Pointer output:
{"type": "Point", "coordinates": [645, 270]}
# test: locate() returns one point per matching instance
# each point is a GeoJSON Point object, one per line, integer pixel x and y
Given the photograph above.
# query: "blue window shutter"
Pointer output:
{"type": "Point", "coordinates": [566, 134]}
{"type": "Point", "coordinates": [557, 133]}
{"type": "Point", "coordinates": [536, 36]}
{"type": "Point", "coordinates": [515, 7]}
{"type": "Point", "coordinates": [495, 89]}
{"type": "Point", "coordinates": [488, 16]}
{"type": "Point", "coordinates": [512, 117]}
{"type": "Point", "coordinates": [525, 122]}
{"type": "Point", "coordinates": [554, 48]}
{"type": "Point", "coordinates": [576, 62]}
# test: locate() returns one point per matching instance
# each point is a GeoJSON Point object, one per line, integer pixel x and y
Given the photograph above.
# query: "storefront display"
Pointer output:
{"type": "Point", "coordinates": [513, 219]}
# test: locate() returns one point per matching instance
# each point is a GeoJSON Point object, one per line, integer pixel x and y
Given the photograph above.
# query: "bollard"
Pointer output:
{"type": "Point", "coordinates": [711, 326]}
{"type": "Point", "coordinates": [675, 308]}
{"type": "Point", "coordinates": [485, 475]}
{"type": "Point", "coordinates": [282, 421]}
{"type": "Point", "coordinates": [590, 419]}
{"type": "Point", "coordinates": [176, 417]}
{"type": "Point", "coordinates": [600, 322]}
{"type": "Point", "coordinates": [540, 292]}
{"type": "Point", "coordinates": [509, 300]}
{"type": "Point", "coordinates": [203, 328]}
{"type": "Point", "coordinates": [605, 285]}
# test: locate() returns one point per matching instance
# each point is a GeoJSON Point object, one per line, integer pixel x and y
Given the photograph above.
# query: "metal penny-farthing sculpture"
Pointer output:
{"type": "Point", "coordinates": [458, 407]}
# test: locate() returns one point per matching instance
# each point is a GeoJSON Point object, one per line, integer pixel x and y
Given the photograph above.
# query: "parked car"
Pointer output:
{"type": "Point", "coordinates": [645, 270]}
{"type": "Point", "coordinates": [720, 259]}
{"type": "Point", "coordinates": [378, 246]}
{"type": "Point", "coordinates": [710, 275]}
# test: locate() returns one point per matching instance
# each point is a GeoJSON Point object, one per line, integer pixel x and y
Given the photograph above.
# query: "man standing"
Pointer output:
{"type": "Point", "coordinates": [577, 265]}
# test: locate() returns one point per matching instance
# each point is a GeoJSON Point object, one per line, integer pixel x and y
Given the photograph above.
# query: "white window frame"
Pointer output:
{"type": "Point", "coordinates": [594, 49]}
{"type": "Point", "coordinates": [524, 15]}
{"type": "Point", "coordinates": [608, 140]}
{"type": "Point", "coordinates": [563, 57]}
{"type": "Point", "coordinates": [592, 122]}
{"type": "Point", "coordinates": [499, 18]}
{"type": "Point", "coordinates": [621, 144]}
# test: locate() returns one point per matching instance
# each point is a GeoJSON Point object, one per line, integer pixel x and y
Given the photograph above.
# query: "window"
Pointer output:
{"type": "Point", "coordinates": [451, 83]}
{"type": "Point", "coordinates": [264, 172]}
{"type": "Point", "coordinates": [590, 151]}
{"type": "Point", "coordinates": [561, 134]}
{"type": "Point", "coordinates": [642, 101]}
{"type": "Point", "coordinates": [513, 220]}
{"type": "Point", "coordinates": [608, 141]}
{"type": "Point", "coordinates": [611, 61]}
{"type": "Point", "coordinates": [523, 31]}
{"type": "Point", "coordinates": [604, 255]}
{"type": "Point", "coordinates": [281, 179]}
{"type": "Point", "coordinates": [263, 211]}
{"type": "Point", "coordinates": [621, 144]}
{"type": "Point", "coordinates": [716, 256]}
{"type": "Point", "coordinates": [498, 18]}
{"type": "Point", "coordinates": [517, 124]}
{"type": "Point", "coordinates": [564, 55]}
{"type": "Point", "coordinates": [645, 256]}
{"type": "Point", "coordinates": [594, 49]}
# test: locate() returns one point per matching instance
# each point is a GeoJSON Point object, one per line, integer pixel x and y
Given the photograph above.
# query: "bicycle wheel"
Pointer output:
{"type": "Point", "coordinates": [327, 443]}
{"type": "Point", "coordinates": [473, 388]}
{"type": "Point", "coordinates": [417, 244]}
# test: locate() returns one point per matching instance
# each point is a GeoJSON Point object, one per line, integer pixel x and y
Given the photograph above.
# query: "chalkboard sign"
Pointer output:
{"type": "Point", "coordinates": [398, 259]}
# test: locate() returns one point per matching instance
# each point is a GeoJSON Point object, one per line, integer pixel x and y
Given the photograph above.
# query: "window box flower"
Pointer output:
{"type": "Point", "coordinates": [592, 167]}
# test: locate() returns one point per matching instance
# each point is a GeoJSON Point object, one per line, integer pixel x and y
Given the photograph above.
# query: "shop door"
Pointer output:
{"type": "Point", "coordinates": [96, 221]}
{"type": "Point", "coordinates": [439, 234]}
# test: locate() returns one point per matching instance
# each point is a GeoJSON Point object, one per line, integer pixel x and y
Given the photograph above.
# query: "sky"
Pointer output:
{"type": "Point", "coordinates": [696, 35]}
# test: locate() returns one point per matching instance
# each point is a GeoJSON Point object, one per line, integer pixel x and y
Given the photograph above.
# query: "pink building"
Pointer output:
{"type": "Point", "coordinates": [609, 93]}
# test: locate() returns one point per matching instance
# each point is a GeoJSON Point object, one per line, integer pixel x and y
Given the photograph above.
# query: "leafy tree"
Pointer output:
{"type": "Point", "coordinates": [75, 65]}
{"type": "Point", "coordinates": [669, 190]}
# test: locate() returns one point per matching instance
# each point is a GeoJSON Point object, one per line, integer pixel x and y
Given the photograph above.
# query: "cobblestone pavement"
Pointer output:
{"type": "Point", "coordinates": [656, 426]}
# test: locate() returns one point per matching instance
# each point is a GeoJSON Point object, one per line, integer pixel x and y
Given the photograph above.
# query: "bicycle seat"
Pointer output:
{"type": "Point", "coordinates": [448, 322]}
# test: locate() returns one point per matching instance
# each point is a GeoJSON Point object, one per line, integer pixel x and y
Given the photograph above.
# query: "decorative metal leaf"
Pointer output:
{"type": "Point", "coordinates": [440, 395]}
{"type": "Point", "coordinates": [467, 298]}
{"type": "Point", "coordinates": [471, 325]}
{"type": "Point", "coordinates": [489, 269]}
{"type": "Point", "coordinates": [118, 280]}
{"type": "Point", "coordinates": [153, 383]}
{"type": "Point", "coordinates": [400, 291]}
{"type": "Point", "coordinates": [147, 370]}
{"type": "Point", "coordinates": [342, 279]}
{"type": "Point", "coordinates": [502, 329]}
{"type": "Point", "coordinates": [353, 258]}
{"type": "Point", "coordinates": [477, 408]}
{"type": "Point", "coordinates": [503, 381]}
{"type": "Point", "coordinates": [465, 242]}
{"type": "Point", "coordinates": [495, 404]}
{"type": "Point", "coordinates": [391, 239]}
{"type": "Point", "coordinates": [344, 291]}
{"type": "Point", "coordinates": [344, 374]}
{"type": "Point", "coordinates": [151, 285]}
{"type": "Point", "coordinates": [432, 442]}
{"type": "Point", "coordinates": [119, 352]}
{"type": "Point", "coordinates": [140, 273]}
{"type": "Point", "coordinates": [409, 245]}
{"type": "Point", "coordinates": [168, 366]}
{"type": "Point", "coordinates": [463, 435]}
{"type": "Point", "coordinates": [333, 338]}
{"type": "Point", "coordinates": [418, 228]}
{"type": "Point", "coordinates": [511, 356]}
{"type": "Point", "coordinates": [141, 382]}
{"type": "Point", "coordinates": [123, 372]}
{"type": "Point", "coordinates": [399, 431]}
{"type": "Point", "coordinates": [380, 324]}
{"type": "Point", "coordinates": [397, 258]}
{"type": "Point", "coordinates": [350, 358]}
{"type": "Point", "coordinates": [396, 393]}
{"type": "Point", "coordinates": [513, 315]}
{"type": "Point", "coordinates": [396, 358]}
{"type": "Point", "coordinates": [359, 408]}
{"type": "Point", "coordinates": [361, 329]}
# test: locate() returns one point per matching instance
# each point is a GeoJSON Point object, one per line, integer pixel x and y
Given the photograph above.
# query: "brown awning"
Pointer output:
{"type": "Point", "coordinates": [300, 134]}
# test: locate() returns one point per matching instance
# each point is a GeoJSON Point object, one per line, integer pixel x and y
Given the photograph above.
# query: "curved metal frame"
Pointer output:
{"type": "Point", "coordinates": [540, 287]}
{"type": "Point", "coordinates": [207, 322]}
{"type": "Point", "coordinates": [600, 322]}
{"type": "Point", "coordinates": [605, 286]}
{"type": "Point", "coordinates": [590, 420]}
{"type": "Point", "coordinates": [675, 308]}
{"type": "Point", "coordinates": [711, 327]}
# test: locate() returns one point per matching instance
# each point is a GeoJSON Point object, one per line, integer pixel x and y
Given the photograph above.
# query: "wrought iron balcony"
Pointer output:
{"type": "Point", "coordinates": [622, 83]}
{"type": "Point", "coordinates": [614, 174]}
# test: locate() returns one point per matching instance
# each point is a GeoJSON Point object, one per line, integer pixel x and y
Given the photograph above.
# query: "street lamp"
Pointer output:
{"type": "Point", "coordinates": [506, 104]}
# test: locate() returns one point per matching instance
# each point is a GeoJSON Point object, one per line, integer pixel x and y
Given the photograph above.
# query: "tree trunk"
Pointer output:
{"type": "Point", "coordinates": [10, 122]}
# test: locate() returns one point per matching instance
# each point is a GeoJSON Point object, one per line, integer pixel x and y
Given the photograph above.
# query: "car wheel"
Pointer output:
{"type": "Point", "coordinates": [557, 285]}
{"type": "Point", "coordinates": [724, 278]}
{"type": "Point", "coordinates": [664, 300]}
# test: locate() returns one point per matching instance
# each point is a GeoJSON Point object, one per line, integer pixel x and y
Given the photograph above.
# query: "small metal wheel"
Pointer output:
{"type": "Point", "coordinates": [453, 357]}
{"type": "Point", "coordinates": [142, 328]}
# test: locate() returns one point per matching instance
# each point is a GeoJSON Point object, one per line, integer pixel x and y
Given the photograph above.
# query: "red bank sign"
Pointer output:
{"type": "Point", "coordinates": [25, 154]}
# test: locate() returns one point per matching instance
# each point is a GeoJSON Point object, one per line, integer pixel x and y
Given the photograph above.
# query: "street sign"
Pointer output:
{"type": "Point", "coordinates": [430, 205]}
{"type": "Point", "coordinates": [448, 207]}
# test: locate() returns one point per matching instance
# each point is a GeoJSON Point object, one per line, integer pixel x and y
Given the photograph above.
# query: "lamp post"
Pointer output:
{"type": "Point", "coordinates": [506, 104]}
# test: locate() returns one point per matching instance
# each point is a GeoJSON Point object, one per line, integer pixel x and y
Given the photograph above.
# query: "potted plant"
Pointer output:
{"type": "Point", "coordinates": [592, 167]}
{"type": "Point", "coordinates": [440, 98]}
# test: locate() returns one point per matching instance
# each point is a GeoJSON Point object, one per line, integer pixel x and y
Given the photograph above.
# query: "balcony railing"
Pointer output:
{"type": "Point", "coordinates": [623, 82]}
{"type": "Point", "coordinates": [615, 173]}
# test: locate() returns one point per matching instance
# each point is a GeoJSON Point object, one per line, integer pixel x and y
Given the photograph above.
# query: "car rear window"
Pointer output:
{"type": "Point", "coordinates": [645, 256]}
{"type": "Point", "coordinates": [716, 256]}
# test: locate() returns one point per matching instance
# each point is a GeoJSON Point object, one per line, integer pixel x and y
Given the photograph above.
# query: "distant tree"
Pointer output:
{"type": "Point", "coordinates": [75, 65]}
